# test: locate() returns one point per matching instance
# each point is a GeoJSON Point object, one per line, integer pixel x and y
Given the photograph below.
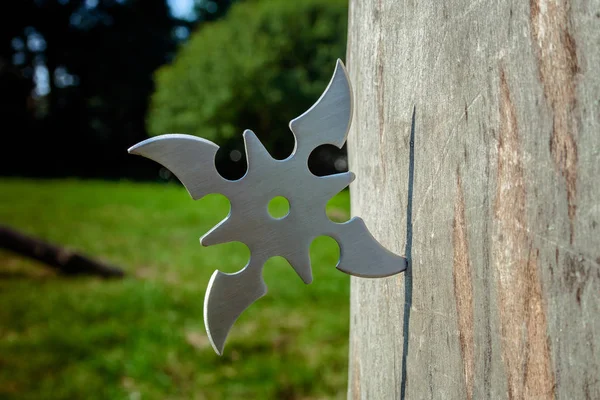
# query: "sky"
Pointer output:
{"type": "Point", "coordinates": [181, 8]}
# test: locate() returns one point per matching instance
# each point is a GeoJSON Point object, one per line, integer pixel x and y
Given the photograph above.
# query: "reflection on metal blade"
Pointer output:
{"type": "Point", "coordinates": [192, 160]}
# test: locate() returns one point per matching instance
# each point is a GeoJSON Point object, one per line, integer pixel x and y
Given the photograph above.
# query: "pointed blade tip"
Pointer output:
{"type": "Point", "coordinates": [136, 147]}
{"type": "Point", "coordinates": [401, 268]}
{"type": "Point", "coordinates": [308, 279]}
{"type": "Point", "coordinates": [133, 149]}
{"type": "Point", "coordinates": [296, 121]}
{"type": "Point", "coordinates": [203, 241]}
{"type": "Point", "coordinates": [352, 176]}
{"type": "Point", "coordinates": [371, 276]}
{"type": "Point", "coordinates": [217, 348]}
{"type": "Point", "coordinates": [219, 234]}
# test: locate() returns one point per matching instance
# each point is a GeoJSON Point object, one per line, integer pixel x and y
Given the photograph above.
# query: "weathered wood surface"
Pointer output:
{"type": "Point", "coordinates": [503, 293]}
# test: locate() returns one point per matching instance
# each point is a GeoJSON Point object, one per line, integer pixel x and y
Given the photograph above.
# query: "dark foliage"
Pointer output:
{"type": "Point", "coordinates": [76, 78]}
{"type": "Point", "coordinates": [91, 63]}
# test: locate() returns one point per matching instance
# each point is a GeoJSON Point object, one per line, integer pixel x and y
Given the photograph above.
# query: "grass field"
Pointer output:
{"type": "Point", "coordinates": [142, 337]}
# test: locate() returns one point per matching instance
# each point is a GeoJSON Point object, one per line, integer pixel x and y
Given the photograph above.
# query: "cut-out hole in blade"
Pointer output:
{"type": "Point", "coordinates": [328, 160]}
{"type": "Point", "coordinates": [279, 207]}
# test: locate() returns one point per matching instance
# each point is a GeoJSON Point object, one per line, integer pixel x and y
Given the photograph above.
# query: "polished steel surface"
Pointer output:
{"type": "Point", "coordinates": [192, 160]}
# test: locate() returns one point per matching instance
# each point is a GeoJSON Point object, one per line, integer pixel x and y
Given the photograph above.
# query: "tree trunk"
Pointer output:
{"type": "Point", "coordinates": [63, 260]}
{"type": "Point", "coordinates": [501, 220]}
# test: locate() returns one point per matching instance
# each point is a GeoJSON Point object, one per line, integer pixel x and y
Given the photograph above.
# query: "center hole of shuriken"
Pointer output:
{"type": "Point", "coordinates": [279, 207]}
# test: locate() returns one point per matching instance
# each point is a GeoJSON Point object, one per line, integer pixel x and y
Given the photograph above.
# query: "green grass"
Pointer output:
{"type": "Point", "coordinates": [142, 337]}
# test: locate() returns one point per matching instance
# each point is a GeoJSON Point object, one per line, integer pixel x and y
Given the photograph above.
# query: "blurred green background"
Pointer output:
{"type": "Point", "coordinates": [80, 82]}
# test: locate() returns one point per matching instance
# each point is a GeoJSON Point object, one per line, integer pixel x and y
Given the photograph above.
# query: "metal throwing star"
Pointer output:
{"type": "Point", "coordinates": [192, 160]}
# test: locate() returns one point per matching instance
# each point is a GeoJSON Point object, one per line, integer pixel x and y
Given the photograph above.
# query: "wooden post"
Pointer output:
{"type": "Point", "coordinates": [500, 215]}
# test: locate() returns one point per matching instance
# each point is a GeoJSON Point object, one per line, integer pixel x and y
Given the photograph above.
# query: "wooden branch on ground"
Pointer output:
{"type": "Point", "coordinates": [65, 261]}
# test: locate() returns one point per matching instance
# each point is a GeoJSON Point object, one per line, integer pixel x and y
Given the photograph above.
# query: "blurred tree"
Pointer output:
{"type": "Point", "coordinates": [210, 10]}
{"type": "Point", "coordinates": [260, 66]}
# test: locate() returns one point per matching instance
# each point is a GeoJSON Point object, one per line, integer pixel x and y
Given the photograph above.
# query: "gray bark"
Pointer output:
{"type": "Point", "coordinates": [501, 220]}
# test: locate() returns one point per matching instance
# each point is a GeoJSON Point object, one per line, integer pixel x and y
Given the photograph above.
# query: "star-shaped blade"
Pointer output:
{"type": "Point", "coordinates": [192, 159]}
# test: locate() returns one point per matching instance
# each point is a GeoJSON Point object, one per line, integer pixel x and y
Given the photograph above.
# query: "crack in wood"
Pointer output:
{"type": "Point", "coordinates": [525, 348]}
{"type": "Point", "coordinates": [556, 52]}
{"type": "Point", "coordinates": [463, 288]}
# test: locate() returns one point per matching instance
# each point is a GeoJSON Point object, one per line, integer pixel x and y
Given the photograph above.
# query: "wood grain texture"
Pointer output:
{"type": "Point", "coordinates": [463, 287]}
{"type": "Point", "coordinates": [500, 216]}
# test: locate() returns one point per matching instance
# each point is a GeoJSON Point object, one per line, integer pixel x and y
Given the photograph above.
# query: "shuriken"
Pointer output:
{"type": "Point", "coordinates": [192, 160]}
